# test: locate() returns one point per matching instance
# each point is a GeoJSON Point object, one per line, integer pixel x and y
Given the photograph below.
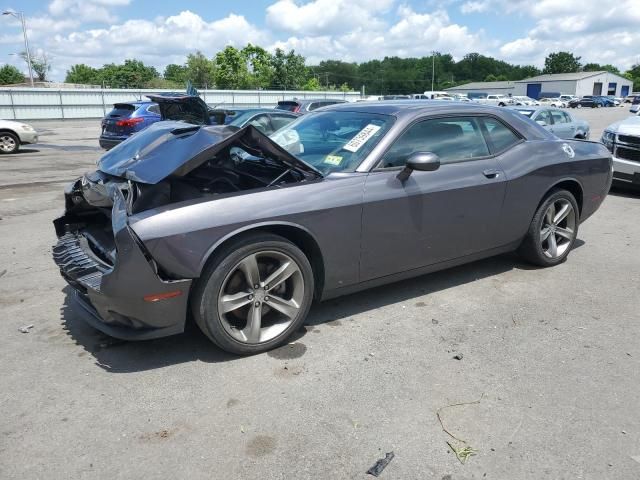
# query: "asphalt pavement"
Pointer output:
{"type": "Point", "coordinates": [548, 377]}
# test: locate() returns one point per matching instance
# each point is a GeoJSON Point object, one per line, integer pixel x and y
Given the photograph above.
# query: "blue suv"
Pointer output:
{"type": "Point", "coordinates": [126, 119]}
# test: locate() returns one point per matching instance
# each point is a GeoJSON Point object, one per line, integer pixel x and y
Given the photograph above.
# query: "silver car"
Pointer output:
{"type": "Point", "coordinates": [562, 124]}
{"type": "Point", "coordinates": [623, 141]}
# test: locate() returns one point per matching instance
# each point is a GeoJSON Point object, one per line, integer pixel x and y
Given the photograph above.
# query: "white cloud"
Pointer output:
{"type": "Point", "coordinates": [326, 16]}
{"type": "Point", "coordinates": [86, 10]}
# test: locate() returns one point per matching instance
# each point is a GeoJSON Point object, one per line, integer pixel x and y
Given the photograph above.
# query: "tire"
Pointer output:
{"type": "Point", "coordinates": [224, 278]}
{"type": "Point", "coordinates": [538, 251]}
{"type": "Point", "coordinates": [9, 143]}
{"type": "Point", "coordinates": [578, 106]}
{"type": "Point", "coordinates": [501, 104]}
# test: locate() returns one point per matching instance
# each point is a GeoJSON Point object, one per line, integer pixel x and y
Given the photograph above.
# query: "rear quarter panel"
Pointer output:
{"type": "Point", "coordinates": [533, 168]}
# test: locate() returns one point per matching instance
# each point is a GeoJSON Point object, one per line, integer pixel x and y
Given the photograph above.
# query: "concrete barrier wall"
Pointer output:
{"type": "Point", "coordinates": [47, 103]}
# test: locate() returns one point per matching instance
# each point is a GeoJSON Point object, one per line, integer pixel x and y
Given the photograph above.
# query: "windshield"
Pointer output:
{"type": "Point", "coordinates": [333, 141]}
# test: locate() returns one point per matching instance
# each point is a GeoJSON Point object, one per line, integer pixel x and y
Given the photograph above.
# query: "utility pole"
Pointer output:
{"type": "Point", "coordinates": [433, 69]}
{"type": "Point", "coordinates": [20, 16]}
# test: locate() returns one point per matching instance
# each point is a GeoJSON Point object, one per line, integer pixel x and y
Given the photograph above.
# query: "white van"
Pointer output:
{"type": "Point", "coordinates": [438, 95]}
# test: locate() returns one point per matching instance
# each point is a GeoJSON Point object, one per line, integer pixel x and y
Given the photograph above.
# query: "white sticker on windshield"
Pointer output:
{"type": "Point", "coordinates": [361, 138]}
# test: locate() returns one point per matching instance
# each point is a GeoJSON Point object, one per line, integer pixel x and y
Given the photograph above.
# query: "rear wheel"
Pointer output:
{"type": "Point", "coordinates": [9, 143]}
{"type": "Point", "coordinates": [254, 294]}
{"type": "Point", "coordinates": [552, 231]}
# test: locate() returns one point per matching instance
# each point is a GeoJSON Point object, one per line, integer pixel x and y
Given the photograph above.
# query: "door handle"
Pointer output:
{"type": "Point", "coordinates": [491, 173]}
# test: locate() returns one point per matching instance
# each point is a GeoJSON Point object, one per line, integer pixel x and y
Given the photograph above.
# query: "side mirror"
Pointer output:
{"type": "Point", "coordinates": [421, 161]}
{"type": "Point", "coordinates": [542, 123]}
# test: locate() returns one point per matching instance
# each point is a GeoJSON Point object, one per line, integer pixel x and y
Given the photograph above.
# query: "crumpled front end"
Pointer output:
{"type": "Point", "coordinates": [116, 281]}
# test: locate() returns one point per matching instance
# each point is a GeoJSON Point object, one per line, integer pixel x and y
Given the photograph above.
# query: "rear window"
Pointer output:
{"type": "Point", "coordinates": [288, 106]}
{"type": "Point", "coordinates": [122, 110]}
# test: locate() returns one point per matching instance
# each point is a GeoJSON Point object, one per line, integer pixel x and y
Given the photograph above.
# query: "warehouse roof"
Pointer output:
{"type": "Point", "coordinates": [482, 85]}
{"type": "Point", "coordinates": [559, 77]}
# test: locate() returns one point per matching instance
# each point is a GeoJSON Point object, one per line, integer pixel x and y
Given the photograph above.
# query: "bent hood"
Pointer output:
{"type": "Point", "coordinates": [174, 149]}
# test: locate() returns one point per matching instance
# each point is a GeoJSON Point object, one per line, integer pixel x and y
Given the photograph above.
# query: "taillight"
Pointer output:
{"type": "Point", "coordinates": [129, 122]}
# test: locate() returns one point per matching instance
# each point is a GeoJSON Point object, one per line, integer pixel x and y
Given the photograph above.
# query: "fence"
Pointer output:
{"type": "Point", "coordinates": [46, 103]}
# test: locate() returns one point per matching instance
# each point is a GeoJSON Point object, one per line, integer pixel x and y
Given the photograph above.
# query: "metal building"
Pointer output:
{"type": "Point", "coordinates": [579, 83]}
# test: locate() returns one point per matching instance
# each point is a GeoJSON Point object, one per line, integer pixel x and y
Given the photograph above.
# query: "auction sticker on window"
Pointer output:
{"type": "Point", "coordinates": [361, 138]}
{"type": "Point", "coordinates": [333, 160]}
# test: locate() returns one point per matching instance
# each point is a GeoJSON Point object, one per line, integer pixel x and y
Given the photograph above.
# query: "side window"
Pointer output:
{"type": "Point", "coordinates": [313, 106]}
{"type": "Point", "coordinates": [453, 139]}
{"type": "Point", "coordinates": [154, 109]}
{"type": "Point", "coordinates": [567, 117]}
{"type": "Point", "coordinates": [500, 136]}
{"type": "Point", "coordinates": [558, 116]}
{"type": "Point", "coordinates": [545, 117]}
{"type": "Point", "coordinates": [261, 122]}
{"type": "Point", "coordinates": [279, 121]}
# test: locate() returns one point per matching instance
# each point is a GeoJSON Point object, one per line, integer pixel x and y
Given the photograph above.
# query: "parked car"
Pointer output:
{"type": "Point", "coordinates": [14, 134]}
{"type": "Point", "coordinates": [524, 100]}
{"type": "Point", "coordinates": [460, 97]}
{"type": "Point", "coordinates": [552, 102]}
{"type": "Point", "coordinates": [438, 95]}
{"type": "Point", "coordinates": [605, 101]}
{"type": "Point", "coordinates": [266, 120]}
{"type": "Point", "coordinates": [498, 100]}
{"type": "Point", "coordinates": [395, 97]}
{"type": "Point", "coordinates": [635, 105]}
{"type": "Point", "coordinates": [631, 98]}
{"type": "Point", "coordinates": [353, 196]}
{"type": "Point", "coordinates": [419, 96]}
{"type": "Point", "coordinates": [125, 119]}
{"type": "Point", "coordinates": [566, 98]}
{"type": "Point", "coordinates": [306, 105]}
{"type": "Point", "coordinates": [588, 101]}
{"type": "Point", "coordinates": [562, 124]}
{"type": "Point", "coordinates": [623, 141]}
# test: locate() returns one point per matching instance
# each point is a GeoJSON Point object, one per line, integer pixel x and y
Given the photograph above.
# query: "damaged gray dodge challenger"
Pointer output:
{"type": "Point", "coordinates": [242, 231]}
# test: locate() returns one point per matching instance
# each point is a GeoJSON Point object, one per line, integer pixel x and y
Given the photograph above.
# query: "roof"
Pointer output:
{"type": "Point", "coordinates": [408, 107]}
{"type": "Point", "coordinates": [560, 77]}
{"type": "Point", "coordinates": [482, 85]}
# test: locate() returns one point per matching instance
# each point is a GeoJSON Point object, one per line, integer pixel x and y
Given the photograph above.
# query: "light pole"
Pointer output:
{"type": "Point", "coordinates": [433, 69]}
{"type": "Point", "coordinates": [20, 16]}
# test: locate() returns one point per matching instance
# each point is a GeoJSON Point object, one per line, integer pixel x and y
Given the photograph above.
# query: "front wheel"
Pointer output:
{"type": "Point", "coordinates": [553, 230]}
{"type": "Point", "coordinates": [578, 106]}
{"type": "Point", "coordinates": [9, 143]}
{"type": "Point", "coordinates": [254, 294]}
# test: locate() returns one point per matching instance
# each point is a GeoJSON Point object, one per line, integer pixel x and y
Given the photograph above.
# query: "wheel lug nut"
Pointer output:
{"type": "Point", "coordinates": [250, 297]}
{"type": "Point", "coordinates": [257, 304]}
{"type": "Point", "coordinates": [256, 286]}
{"type": "Point", "coordinates": [266, 287]}
{"type": "Point", "coordinates": [266, 299]}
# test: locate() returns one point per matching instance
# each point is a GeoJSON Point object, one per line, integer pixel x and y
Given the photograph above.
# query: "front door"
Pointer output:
{"type": "Point", "coordinates": [433, 216]}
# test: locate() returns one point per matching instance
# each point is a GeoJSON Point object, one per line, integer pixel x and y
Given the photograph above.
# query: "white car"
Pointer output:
{"type": "Point", "coordinates": [623, 141]}
{"type": "Point", "coordinates": [567, 98]}
{"type": "Point", "coordinates": [13, 134]}
{"type": "Point", "coordinates": [526, 101]}
{"type": "Point", "coordinates": [553, 102]}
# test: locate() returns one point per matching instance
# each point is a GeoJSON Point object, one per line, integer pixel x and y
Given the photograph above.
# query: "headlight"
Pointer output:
{"type": "Point", "coordinates": [27, 127]}
{"type": "Point", "coordinates": [608, 137]}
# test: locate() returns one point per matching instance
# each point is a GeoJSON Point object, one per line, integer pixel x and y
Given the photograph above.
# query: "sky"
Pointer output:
{"type": "Point", "coordinates": [160, 32]}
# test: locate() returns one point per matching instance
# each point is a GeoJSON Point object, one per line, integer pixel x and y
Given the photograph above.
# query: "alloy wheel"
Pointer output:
{"type": "Point", "coordinates": [261, 296]}
{"type": "Point", "coordinates": [7, 143]}
{"type": "Point", "coordinates": [558, 228]}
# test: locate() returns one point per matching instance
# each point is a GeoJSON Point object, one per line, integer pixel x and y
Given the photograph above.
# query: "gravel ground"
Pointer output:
{"type": "Point", "coordinates": [551, 357]}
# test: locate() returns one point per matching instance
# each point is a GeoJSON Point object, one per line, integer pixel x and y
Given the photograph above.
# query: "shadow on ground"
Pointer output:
{"type": "Point", "coordinates": [120, 356]}
{"type": "Point", "coordinates": [625, 191]}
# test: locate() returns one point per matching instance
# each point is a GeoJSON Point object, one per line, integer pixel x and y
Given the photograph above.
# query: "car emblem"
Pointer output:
{"type": "Point", "coordinates": [568, 150]}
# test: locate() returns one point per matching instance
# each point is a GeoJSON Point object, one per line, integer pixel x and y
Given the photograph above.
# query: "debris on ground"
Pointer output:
{"type": "Point", "coordinates": [26, 328]}
{"type": "Point", "coordinates": [462, 453]}
{"type": "Point", "coordinates": [381, 464]}
{"type": "Point", "coordinates": [458, 356]}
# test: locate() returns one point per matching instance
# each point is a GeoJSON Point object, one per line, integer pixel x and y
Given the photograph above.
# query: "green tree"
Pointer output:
{"type": "Point", "coordinates": [231, 70]}
{"type": "Point", "coordinates": [175, 73]}
{"type": "Point", "coordinates": [290, 71]}
{"type": "Point", "coordinates": [561, 62]}
{"type": "Point", "coordinates": [312, 84]}
{"type": "Point", "coordinates": [131, 74]}
{"type": "Point", "coordinates": [83, 74]}
{"type": "Point", "coordinates": [40, 63]}
{"type": "Point", "coordinates": [596, 67]}
{"type": "Point", "coordinates": [200, 70]}
{"type": "Point", "coordinates": [259, 65]}
{"type": "Point", "coordinates": [10, 75]}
